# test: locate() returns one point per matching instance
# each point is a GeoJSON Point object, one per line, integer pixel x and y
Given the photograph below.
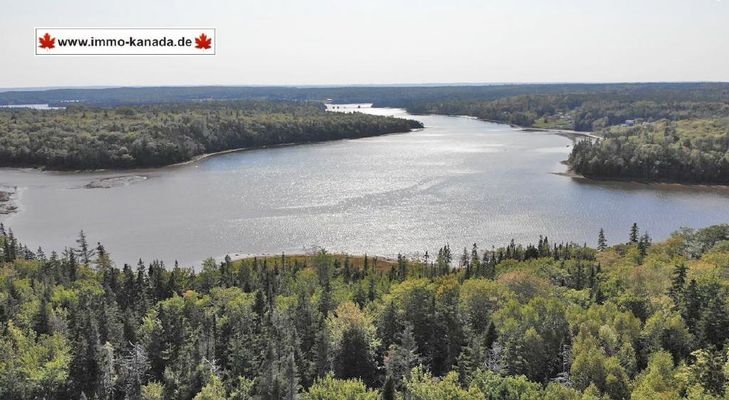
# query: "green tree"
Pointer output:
{"type": "Point", "coordinates": [601, 241]}
{"type": "Point", "coordinates": [657, 380]}
{"type": "Point", "coordinates": [213, 390]}
{"type": "Point", "coordinates": [634, 232]}
{"type": "Point", "coordinates": [329, 388]}
{"type": "Point", "coordinates": [401, 358]}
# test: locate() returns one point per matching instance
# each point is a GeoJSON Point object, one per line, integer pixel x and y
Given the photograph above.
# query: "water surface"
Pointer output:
{"type": "Point", "coordinates": [457, 181]}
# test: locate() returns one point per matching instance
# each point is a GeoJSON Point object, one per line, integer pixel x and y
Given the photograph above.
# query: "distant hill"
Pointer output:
{"type": "Point", "coordinates": [396, 96]}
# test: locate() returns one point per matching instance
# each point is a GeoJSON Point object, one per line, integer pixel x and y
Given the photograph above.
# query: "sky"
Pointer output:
{"type": "Point", "coordinates": [327, 42]}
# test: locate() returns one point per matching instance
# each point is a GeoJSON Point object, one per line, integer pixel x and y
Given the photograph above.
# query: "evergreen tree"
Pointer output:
{"type": "Point", "coordinates": [401, 358]}
{"type": "Point", "coordinates": [643, 244]}
{"type": "Point", "coordinates": [601, 241]}
{"type": "Point", "coordinates": [634, 232]}
{"type": "Point", "coordinates": [321, 363]}
{"type": "Point", "coordinates": [714, 323]}
{"type": "Point", "coordinates": [471, 359]}
{"type": "Point", "coordinates": [678, 284]}
{"type": "Point", "coordinates": [84, 253]}
{"type": "Point", "coordinates": [692, 306]}
{"type": "Point", "coordinates": [465, 263]}
{"type": "Point", "coordinates": [353, 358]}
{"type": "Point", "coordinates": [475, 262]}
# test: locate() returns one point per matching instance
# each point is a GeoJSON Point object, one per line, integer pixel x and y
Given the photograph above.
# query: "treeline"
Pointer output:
{"type": "Point", "coordinates": [691, 151]}
{"type": "Point", "coordinates": [155, 135]}
{"type": "Point", "coordinates": [637, 320]}
{"type": "Point", "coordinates": [384, 96]}
{"type": "Point", "coordinates": [591, 110]}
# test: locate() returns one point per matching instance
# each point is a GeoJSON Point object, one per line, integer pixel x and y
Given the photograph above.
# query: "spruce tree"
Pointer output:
{"type": "Point", "coordinates": [601, 241]}
{"type": "Point", "coordinates": [678, 284]}
{"type": "Point", "coordinates": [691, 307]}
{"type": "Point", "coordinates": [634, 233]}
{"type": "Point", "coordinates": [401, 358]}
{"type": "Point", "coordinates": [714, 323]}
{"type": "Point", "coordinates": [475, 262]}
{"type": "Point", "coordinates": [84, 253]}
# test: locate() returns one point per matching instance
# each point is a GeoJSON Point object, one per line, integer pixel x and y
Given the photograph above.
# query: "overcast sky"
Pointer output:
{"type": "Point", "coordinates": [383, 41]}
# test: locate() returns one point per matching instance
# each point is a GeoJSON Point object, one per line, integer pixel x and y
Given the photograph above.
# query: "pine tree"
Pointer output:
{"type": "Point", "coordinates": [402, 266]}
{"type": "Point", "coordinates": [84, 253]}
{"type": "Point", "coordinates": [107, 375]}
{"type": "Point", "coordinates": [472, 358]}
{"type": "Point", "coordinates": [643, 244]}
{"type": "Point", "coordinates": [325, 301]}
{"type": "Point", "coordinates": [601, 241]}
{"type": "Point", "coordinates": [353, 358]}
{"type": "Point", "coordinates": [678, 284]}
{"type": "Point", "coordinates": [465, 263]}
{"type": "Point", "coordinates": [714, 323]}
{"type": "Point", "coordinates": [692, 306]}
{"type": "Point", "coordinates": [271, 385]}
{"type": "Point", "coordinates": [491, 336]}
{"type": "Point", "coordinates": [291, 376]}
{"type": "Point", "coordinates": [401, 358]}
{"type": "Point", "coordinates": [634, 233]}
{"type": "Point", "coordinates": [389, 325]}
{"type": "Point", "coordinates": [388, 390]}
{"type": "Point", "coordinates": [475, 262]}
{"type": "Point", "coordinates": [103, 260]}
{"type": "Point", "coordinates": [321, 363]}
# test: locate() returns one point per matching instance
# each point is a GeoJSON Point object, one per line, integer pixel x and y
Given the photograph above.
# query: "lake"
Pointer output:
{"type": "Point", "coordinates": [457, 181]}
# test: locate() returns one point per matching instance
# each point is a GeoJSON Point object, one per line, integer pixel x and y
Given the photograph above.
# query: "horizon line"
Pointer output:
{"type": "Point", "coordinates": [344, 85]}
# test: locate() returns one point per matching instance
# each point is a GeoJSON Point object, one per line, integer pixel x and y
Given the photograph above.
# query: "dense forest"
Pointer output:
{"type": "Point", "coordinates": [83, 137]}
{"type": "Point", "coordinates": [695, 151]}
{"type": "Point", "coordinates": [638, 320]}
{"type": "Point", "coordinates": [590, 110]}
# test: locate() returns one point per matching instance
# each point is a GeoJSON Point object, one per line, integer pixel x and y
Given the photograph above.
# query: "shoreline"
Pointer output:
{"type": "Point", "coordinates": [193, 160]}
{"type": "Point", "coordinates": [570, 173]}
{"type": "Point", "coordinates": [270, 146]}
{"type": "Point", "coordinates": [7, 200]}
{"type": "Point", "coordinates": [566, 132]}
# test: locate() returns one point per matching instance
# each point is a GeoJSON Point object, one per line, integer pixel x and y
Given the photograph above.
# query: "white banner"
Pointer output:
{"type": "Point", "coordinates": [124, 41]}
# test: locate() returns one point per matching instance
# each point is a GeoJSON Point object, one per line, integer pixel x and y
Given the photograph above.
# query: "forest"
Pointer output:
{"type": "Point", "coordinates": [691, 151]}
{"type": "Point", "coordinates": [83, 137]}
{"type": "Point", "coordinates": [552, 320]}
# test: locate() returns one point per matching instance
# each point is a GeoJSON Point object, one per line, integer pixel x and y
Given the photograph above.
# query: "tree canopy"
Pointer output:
{"type": "Point", "coordinates": [552, 321]}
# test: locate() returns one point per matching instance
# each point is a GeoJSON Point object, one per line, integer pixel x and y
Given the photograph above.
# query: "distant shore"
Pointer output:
{"type": "Point", "coordinates": [564, 132]}
{"type": "Point", "coordinates": [570, 173]}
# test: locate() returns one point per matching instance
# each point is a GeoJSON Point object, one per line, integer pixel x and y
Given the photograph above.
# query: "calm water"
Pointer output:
{"type": "Point", "coordinates": [457, 181]}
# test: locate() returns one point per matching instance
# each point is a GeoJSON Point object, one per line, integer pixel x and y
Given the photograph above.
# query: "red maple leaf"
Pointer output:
{"type": "Point", "coordinates": [47, 42]}
{"type": "Point", "coordinates": [202, 42]}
